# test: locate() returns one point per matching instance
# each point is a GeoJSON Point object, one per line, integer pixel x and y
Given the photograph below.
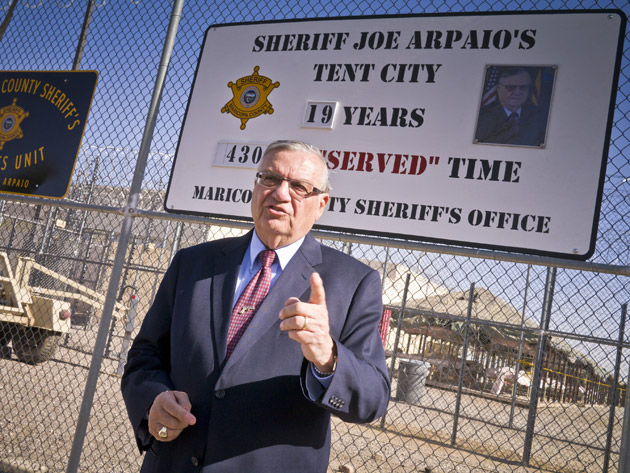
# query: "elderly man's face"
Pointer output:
{"type": "Point", "coordinates": [280, 216]}
{"type": "Point", "coordinates": [513, 90]}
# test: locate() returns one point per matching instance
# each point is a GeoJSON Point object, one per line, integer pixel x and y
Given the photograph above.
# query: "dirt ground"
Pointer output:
{"type": "Point", "coordinates": [40, 406]}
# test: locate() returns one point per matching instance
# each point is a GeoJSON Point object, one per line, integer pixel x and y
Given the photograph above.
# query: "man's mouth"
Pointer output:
{"type": "Point", "coordinates": [276, 211]}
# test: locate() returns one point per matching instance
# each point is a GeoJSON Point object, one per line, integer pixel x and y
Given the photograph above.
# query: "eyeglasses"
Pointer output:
{"type": "Point", "coordinates": [511, 88]}
{"type": "Point", "coordinates": [299, 189]}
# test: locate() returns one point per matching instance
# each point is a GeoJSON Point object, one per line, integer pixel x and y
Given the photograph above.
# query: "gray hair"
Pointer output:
{"type": "Point", "coordinates": [292, 145]}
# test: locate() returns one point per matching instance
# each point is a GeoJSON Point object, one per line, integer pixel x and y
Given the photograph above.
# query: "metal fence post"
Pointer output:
{"type": "Point", "coordinates": [397, 339]}
{"type": "Point", "coordinates": [521, 341]}
{"type": "Point", "coordinates": [123, 241]}
{"type": "Point", "coordinates": [177, 240]}
{"type": "Point", "coordinates": [131, 321]}
{"type": "Point", "coordinates": [614, 387]}
{"type": "Point", "coordinates": [624, 450]}
{"type": "Point", "coordinates": [538, 368]}
{"type": "Point", "coordinates": [83, 36]}
{"type": "Point", "coordinates": [462, 368]}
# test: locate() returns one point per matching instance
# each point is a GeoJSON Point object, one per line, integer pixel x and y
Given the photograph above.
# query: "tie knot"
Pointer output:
{"type": "Point", "coordinates": [267, 258]}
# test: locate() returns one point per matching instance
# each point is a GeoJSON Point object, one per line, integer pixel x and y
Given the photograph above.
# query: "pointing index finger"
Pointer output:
{"type": "Point", "coordinates": [318, 295]}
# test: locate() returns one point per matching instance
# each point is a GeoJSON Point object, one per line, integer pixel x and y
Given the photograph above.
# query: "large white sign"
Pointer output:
{"type": "Point", "coordinates": [482, 130]}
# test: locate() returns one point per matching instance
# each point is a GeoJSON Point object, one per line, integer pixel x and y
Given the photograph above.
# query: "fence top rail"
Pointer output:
{"type": "Point", "coordinates": [619, 270]}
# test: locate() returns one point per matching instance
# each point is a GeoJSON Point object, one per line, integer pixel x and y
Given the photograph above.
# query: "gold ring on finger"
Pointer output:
{"type": "Point", "coordinates": [163, 432]}
{"type": "Point", "coordinates": [305, 323]}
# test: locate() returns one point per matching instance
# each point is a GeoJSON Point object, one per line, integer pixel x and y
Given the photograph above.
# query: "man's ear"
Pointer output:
{"type": "Point", "coordinates": [323, 201]}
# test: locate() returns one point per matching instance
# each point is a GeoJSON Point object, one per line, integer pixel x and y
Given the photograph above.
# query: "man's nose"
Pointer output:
{"type": "Point", "coordinates": [282, 191]}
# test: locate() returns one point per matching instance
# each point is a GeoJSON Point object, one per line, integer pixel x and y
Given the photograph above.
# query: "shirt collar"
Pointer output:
{"type": "Point", "coordinates": [509, 112]}
{"type": "Point", "coordinates": [283, 255]}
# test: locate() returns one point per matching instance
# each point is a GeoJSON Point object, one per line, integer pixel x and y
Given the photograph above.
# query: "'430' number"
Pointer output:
{"type": "Point", "coordinates": [243, 154]}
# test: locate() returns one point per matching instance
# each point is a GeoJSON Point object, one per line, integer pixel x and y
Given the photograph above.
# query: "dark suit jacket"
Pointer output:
{"type": "Point", "coordinates": [493, 126]}
{"type": "Point", "coordinates": [252, 412]}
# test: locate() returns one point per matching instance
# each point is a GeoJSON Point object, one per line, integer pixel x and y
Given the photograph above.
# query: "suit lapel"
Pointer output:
{"type": "Point", "coordinates": [293, 282]}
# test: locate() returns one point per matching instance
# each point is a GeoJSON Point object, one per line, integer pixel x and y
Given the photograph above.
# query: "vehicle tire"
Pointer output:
{"type": "Point", "coordinates": [35, 345]}
{"type": "Point", "coordinates": [5, 333]}
{"type": "Point", "coordinates": [6, 329]}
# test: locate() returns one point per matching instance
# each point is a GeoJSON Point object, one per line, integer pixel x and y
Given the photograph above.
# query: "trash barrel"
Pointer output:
{"type": "Point", "coordinates": [412, 376]}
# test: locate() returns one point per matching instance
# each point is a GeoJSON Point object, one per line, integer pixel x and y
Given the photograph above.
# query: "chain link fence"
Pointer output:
{"type": "Point", "coordinates": [498, 363]}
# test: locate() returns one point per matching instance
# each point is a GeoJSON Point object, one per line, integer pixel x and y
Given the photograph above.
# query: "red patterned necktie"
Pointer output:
{"type": "Point", "coordinates": [249, 300]}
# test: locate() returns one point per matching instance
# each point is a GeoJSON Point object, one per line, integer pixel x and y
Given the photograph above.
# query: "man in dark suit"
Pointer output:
{"type": "Point", "coordinates": [512, 119]}
{"type": "Point", "coordinates": [198, 400]}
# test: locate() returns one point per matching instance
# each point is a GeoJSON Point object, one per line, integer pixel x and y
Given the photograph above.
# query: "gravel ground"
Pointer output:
{"type": "Point", "coordinates": [40, 406]}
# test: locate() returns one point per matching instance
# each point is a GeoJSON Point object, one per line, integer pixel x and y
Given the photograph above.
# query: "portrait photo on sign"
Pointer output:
{"type": "Point", "coordinates": [515, 105]}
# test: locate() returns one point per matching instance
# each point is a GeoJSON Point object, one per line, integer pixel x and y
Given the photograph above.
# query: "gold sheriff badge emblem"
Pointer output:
{"type": "Point", "coordinates": [250, 97]}
{"type": "Point", "coordinates": [10, 118]}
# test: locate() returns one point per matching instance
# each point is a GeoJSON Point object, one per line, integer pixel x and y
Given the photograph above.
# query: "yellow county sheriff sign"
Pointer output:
{"type": "Point", "coordinates": [42, 118]}
{"type": "Point", "coordinates": [471, 129]}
